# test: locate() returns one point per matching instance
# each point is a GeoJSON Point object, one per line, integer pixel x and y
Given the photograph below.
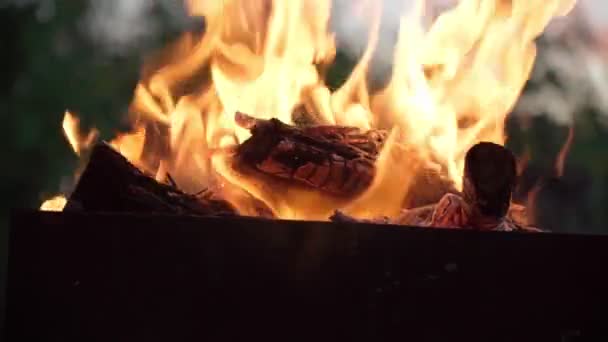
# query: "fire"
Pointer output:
{"type": "Point", "coordinates": [79, 142]}
{"type": "Point", "coordinates": [56, 203]}
{"type": "Point", "coordinates": [71, 129]}
{"type": "Point", "coordinates": [453, 84]}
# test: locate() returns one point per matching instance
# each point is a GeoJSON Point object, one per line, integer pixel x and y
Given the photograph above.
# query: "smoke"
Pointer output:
{"type": "Point", "coordinates": [392, 12]}
{"type": "Point", "coordinates": [571, 73]}
{"type": "Point", "coordinates": [117, 26]}
{"type": "Point", "coordinates": [596, 11]}
{"type": "Point", "coordinates": [352, 29]}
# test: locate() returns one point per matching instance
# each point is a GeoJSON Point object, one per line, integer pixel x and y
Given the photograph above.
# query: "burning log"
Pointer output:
{"type": "Point", "coordinates": [485, 203]}
{"type": "Point", "coordinates": [339, 216]}
{"type": "Point", "coordinates": [111, 183]}
{"type": "Point", "coordinates": [429, 187]}
{"type": "Point", "coordinates": [419, 216]}
{"type": "Point", "coordinates": [335, 159]}
{"type": "Point", "coordinates": [490, 175]}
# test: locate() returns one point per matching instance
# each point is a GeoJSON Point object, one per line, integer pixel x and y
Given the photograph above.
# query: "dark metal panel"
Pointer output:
{"type": "Point", "coordinates": [107, 277]}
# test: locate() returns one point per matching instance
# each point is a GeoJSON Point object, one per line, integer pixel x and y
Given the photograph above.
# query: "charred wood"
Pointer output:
{"type": "Point", "coordinates": [339, 216]}
{"type": "Point", "coordinates": [110, 183]}
{"type": "Point", "coordinates": [490, 176]}
{"type": "Point", "coordinates": [335, 159]}
{"type": "Point", "coordinates": [485, 203]}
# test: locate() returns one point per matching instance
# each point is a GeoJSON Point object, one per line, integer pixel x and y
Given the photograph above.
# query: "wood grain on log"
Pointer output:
{"type": "Point", "coordinates": [334, 159]}
{"type": "Point", "coordinates": [110, 183]}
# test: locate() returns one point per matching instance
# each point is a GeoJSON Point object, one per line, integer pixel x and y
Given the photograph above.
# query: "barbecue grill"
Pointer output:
{"type": "Point", "coordinates": [147, 277]}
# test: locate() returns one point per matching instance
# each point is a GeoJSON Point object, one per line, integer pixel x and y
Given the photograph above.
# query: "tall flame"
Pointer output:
{"type": "Point", "coordinates": [452, 85]}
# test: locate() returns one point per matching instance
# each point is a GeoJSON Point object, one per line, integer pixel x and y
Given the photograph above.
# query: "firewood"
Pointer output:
{"type": "Point", "coordinates": [453, 211]}
{"type": "Point", "coordinates": [489, 179]}
{"type": "Point", "coordinates": [408, 217]}
{"type": "Point", "coordinates": [335, 159]}
{"type": "Point", "coordinates": [485, 203]}
{"type": "Point", "coordinates": [111, 183]}
{"type": "Point", "coordinates": [490, 175]}
{"type": "Point", "coordinates": [453, 214]}
{"type": "Point", "coordinates": [339, 216]}
{"type": "Point", "coordinates": [519, 214]}
{"type": "Point", "coordinates": [428, 188]}
{"type": "Point", "coordinates": [419, 216]}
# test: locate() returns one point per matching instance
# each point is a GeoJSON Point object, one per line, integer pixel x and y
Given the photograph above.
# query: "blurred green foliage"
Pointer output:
{"type": "Point", "coordinates": [48, 67]}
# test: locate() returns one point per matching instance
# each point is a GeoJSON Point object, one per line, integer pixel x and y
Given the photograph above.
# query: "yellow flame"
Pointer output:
{"type": "Point", "coordinates": [452, 85]}
{"type": "Point", "coordinates": [78, 140]}
{"type": "Point", "coordinates": [56, 203]}
{"type": "Point", "coordinates": [130, 144]}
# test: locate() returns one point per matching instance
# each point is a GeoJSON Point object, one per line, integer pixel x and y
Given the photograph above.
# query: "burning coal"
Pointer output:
{"type": "Point", "coordinates": [366, 154]}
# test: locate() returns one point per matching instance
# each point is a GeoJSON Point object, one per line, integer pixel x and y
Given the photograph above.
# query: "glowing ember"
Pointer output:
{"type": "Point", "coordinates": [452, 86]}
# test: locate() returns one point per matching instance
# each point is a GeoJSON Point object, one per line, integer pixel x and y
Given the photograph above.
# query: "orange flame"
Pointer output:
{"type": "Point", "coordinates": [452, 86]}
{"type": "Point", "coordinates": [78, 141]}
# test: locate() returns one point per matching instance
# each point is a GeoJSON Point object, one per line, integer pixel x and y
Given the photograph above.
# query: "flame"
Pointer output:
{"type": "Point", "coordinates": [78, 140]}
{"type": "Point", "coordinates": [452, 85]}
{"type": "Point", "coordinates": [56, 203]}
